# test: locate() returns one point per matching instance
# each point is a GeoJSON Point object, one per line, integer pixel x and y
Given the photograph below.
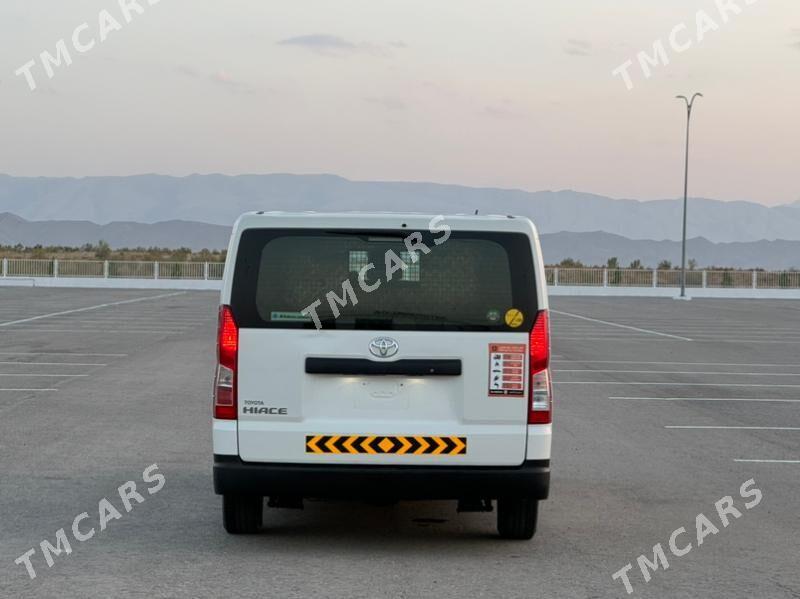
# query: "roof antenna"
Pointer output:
{"type": "Point", "coordinates": [476, 211]}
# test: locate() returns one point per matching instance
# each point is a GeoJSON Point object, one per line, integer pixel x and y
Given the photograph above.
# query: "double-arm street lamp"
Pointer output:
{"type": "Point", "coordinates": [689, 104]}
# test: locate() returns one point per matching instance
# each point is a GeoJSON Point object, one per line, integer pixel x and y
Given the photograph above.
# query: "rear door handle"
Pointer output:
{"type": "Point", "coordinates": [357, 366]}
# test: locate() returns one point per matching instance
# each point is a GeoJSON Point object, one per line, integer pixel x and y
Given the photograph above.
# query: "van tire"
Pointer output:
{"type": "Point", "coordinates": [516, 517]}
{"type": "Point", "coordinates": [242, 514]}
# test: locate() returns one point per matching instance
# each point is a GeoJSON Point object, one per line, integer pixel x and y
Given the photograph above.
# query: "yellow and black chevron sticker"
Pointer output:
{"type": "Point", "coordinates": [381, 445]}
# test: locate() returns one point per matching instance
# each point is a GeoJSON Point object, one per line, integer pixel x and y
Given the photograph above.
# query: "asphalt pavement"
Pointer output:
{"type": "Point", "coordinates": [662, 408]}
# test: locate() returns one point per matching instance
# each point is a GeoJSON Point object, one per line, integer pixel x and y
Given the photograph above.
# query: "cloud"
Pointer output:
{"type": "Point", "coordinates": [576, 47]}
{"type": "Point", "coordinates": [226, 80]}
{"type": "Point", "coordinates": [504, 112]}
{"type": "Point", "coordinates": [220, 78]}
{"type": "Point", "coordinates": [386, 102]}
{"type": "Point", "coordinates": [186, 70]}
{"type": "Point", "coordinates": [320, 42]}
{"type": "Point", "coordinates": [333, 45]}
{"type": "Point", "coordinates": [796, 34]}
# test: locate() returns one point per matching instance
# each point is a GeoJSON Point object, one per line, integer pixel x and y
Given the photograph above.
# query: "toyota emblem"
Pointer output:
{"type": "Point", "coordinates": [383, 347]}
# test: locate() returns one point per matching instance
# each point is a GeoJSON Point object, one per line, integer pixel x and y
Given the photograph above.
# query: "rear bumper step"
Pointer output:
{"type": "Point", "coordinates": [235, 477]}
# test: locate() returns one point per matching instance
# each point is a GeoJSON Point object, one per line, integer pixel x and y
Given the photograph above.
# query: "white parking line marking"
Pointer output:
{"type": "Point", "coordinates": [771, 461]}
{"type": "Point", "coordinates": [647, 383]}
{"type": "Point", "coordinates": [748, 399]}
{"type": "Point", "coordinates": [686, 372]}
{"type": "Point", "coordinates": [27, 390]}
{"type": "Point", "coordinates": [64, 322]}
{"type": "Point", "coordinates": [132, 331]}
{"type": "Point", "coordinates": [739, 428]}
{"type": "Point", "coordinates": [738, 340]}
{"type": "Point", "coordinates": [139, 317]}
{"type": "Point", "coordinates": [697, 338]}
{"type": "Point", "coordinates": [621, 326]}
{"type": "Point", "coordinates": [54, 363]}
{"type": "Point", "coordinates": [608, 338]}
{"type": "Point", "coordinates": [88, 308]}
{"type": "Point", "coordinates": [55, 353]}
{"type": "Point", "coordinates": [566, 324]}
{"type": "Point", "coordinates": [36, 375]}
{"type": "Point", "coordinates": [672, 363]}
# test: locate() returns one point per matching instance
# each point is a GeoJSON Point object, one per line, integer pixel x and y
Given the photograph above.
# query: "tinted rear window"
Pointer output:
{"type": "Point", "coordinates": [471, 282]}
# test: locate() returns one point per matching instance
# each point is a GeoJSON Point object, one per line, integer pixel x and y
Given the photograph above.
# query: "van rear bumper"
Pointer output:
{"type": "Point", "coordinates": [235, 477]}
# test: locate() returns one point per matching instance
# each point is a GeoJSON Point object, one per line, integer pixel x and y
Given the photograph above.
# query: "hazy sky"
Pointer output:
{"type": "Point", "coordinates": [511, 93]}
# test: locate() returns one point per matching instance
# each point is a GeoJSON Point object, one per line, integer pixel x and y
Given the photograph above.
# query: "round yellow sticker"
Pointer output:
{"type": "Point", "coordinates": [514, 318]}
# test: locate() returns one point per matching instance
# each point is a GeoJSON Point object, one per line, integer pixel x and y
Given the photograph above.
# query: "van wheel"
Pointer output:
{"type": "Point", "coordinates": [242, 514]}
{"type": "Point", "coordinates": [516, 517]}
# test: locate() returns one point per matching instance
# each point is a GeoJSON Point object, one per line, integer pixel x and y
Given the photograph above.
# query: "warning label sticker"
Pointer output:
{"type": "Point", "coordinates": [507, 369]}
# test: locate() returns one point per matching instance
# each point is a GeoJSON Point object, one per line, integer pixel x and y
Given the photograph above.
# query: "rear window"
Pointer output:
{"type": "Point", "coordinates": [473, 281]}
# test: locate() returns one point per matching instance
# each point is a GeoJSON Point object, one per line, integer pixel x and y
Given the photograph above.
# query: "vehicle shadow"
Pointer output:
{"type": "Point", "coordinates": [365, 523]}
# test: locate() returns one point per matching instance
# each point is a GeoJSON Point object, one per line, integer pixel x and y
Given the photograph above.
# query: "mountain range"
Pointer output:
{"type": "Point", "coordinates": [591, 248]}
{"type": "Point", "coordinates": [197, 212]}
{"type": "Point", "coordinates": [219, 199]}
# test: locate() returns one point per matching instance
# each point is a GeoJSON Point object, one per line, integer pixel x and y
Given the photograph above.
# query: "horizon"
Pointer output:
{"type": "Point", "coordinates": [410, 182]}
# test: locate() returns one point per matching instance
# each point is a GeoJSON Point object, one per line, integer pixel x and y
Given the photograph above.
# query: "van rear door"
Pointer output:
{"type": "Point", "coordinates": [420, 358]}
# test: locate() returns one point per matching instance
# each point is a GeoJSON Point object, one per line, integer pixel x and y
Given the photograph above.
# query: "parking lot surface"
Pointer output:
{"type": "Point", "coordinates": [662, 408]}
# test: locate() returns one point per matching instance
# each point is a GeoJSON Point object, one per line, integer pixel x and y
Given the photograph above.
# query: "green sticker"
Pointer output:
{"type": "Point", "coordinates": [290, 316]}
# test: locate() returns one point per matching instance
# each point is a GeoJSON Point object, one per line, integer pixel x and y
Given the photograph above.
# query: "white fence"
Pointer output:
{"type": "Point", "coordinates": [561, 281]}
{"type": "Point", "coordinates": [111, 269]}
{"type": "Point", "coordinates": [666, 283]}
{"type": "Point", "coordinates": [111, 273]}
{"type": "Point", "coordinates": [695, 279]}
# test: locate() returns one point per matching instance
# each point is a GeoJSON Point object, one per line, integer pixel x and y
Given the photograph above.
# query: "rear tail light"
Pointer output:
{"type": "Point", "coordinates": [541, 398]}
{"type": "Point", "coordinates": [225, 407]}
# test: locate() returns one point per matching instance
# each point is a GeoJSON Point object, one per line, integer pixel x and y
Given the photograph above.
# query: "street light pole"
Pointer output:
{"type": "Point", "coordinates": [689, 104]}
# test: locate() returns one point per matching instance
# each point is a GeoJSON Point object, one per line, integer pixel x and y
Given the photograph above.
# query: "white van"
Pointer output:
{"type": "Point", "coordinates": [383, 357]}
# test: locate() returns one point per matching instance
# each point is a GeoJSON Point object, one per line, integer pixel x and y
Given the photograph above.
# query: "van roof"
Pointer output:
{"type": "Point", "coordinates": [385, 220]}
